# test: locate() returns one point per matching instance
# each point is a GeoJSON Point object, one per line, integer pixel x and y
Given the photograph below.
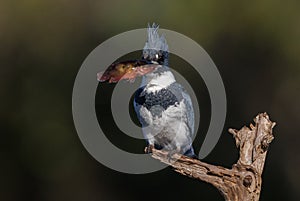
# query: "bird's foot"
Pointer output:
{"type": "Point", "coordinates": [170, 155]}
{"type": "Point", "coordinates": [149, 148]}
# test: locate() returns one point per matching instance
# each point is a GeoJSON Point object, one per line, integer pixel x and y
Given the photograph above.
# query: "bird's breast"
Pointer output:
{"type": "Point", "coordinates": [163, 98]}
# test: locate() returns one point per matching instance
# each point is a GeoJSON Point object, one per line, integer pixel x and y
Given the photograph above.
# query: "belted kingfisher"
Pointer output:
{"type": "Point", "coordinates": [163, 106]}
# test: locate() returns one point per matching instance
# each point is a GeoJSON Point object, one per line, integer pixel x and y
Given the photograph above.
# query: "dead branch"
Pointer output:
{"type": "Point", "coordinates": [243, 181]}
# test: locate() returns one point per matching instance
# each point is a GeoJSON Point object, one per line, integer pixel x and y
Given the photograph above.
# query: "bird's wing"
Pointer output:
{"type": "Point", "coordinates": [190, 110]}
{"type": "Point", "coordinates": [181, 93]}
{"type": "Point", "coordinates": [137, 103]}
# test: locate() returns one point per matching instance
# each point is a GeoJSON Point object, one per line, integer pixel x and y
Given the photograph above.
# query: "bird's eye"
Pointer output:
{"type": "Point", "coordinates": [145, 55]}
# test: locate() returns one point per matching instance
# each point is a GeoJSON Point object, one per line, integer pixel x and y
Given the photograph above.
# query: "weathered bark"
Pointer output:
{"type": "Point", "coordinates": [243, 181]}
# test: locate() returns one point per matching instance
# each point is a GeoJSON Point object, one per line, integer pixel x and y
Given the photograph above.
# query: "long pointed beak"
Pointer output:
{"type": "Point", "coordinates": [127, 70]}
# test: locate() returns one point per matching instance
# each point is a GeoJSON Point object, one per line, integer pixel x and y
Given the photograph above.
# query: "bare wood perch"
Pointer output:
{"type": "Point", "coordinates": [243, 181]}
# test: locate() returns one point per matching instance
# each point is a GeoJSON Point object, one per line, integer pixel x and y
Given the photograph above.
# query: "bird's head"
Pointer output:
{"type": "Point", "coordinates": [156, 47]}
{"type": "Point", "coordinates": [155, 55]}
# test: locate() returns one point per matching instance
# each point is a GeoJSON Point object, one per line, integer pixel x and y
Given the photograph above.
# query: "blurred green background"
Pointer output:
{"type": "Point", "coordinates": [254, 44]}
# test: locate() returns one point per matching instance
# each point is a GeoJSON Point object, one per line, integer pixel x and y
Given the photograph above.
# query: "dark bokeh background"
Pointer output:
{"type": "Point", "coordinates": [43, 43]}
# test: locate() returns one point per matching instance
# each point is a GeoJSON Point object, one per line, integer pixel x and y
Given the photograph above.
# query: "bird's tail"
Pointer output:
{"type": "Point", "coordinates": [190, 153]}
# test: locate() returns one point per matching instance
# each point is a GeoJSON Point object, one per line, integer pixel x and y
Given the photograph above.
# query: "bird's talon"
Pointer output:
{"type": "Point", "coordinates": [170, 156]}
{"type": "Point", "coordinates": [149, 149]}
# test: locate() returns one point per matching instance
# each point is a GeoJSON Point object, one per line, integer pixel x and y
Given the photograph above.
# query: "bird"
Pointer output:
{"type": "Point", "coordinates": [163, 107]}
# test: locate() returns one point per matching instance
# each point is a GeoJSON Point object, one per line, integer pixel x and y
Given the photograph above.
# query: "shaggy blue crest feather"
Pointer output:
{"type": "Point", "coordinates": [155, 41]}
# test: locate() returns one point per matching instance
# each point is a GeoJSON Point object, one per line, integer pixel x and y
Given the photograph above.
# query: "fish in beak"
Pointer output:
{"type": "Point", "coordinates": [127, 70]}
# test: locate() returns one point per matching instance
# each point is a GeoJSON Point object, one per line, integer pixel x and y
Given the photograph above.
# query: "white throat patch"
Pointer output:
{"type": "Point", "coordinates": [159, 81]}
